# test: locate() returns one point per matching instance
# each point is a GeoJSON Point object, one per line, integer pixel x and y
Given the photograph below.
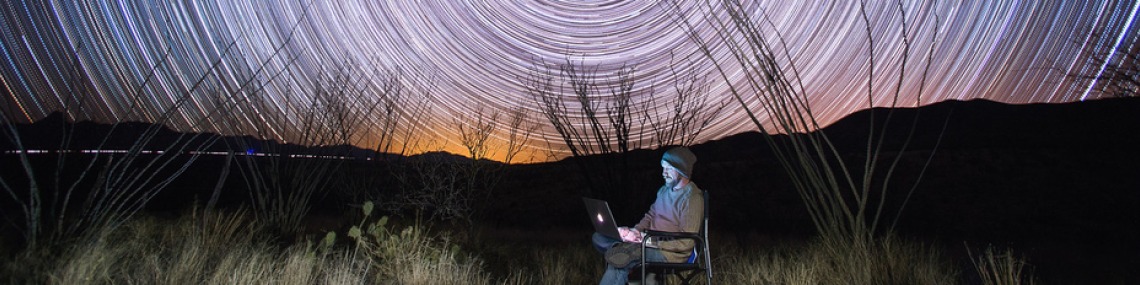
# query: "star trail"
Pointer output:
{"type": "Point", "coordinates": [167, 61]}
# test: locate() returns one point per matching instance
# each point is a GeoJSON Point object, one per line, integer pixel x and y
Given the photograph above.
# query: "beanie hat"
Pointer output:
{"type": "Point", "coordinates": [680, 158]}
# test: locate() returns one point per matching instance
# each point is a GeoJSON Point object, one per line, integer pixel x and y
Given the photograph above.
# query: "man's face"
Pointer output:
{"type": "Point", "coordinates": [671, 175]}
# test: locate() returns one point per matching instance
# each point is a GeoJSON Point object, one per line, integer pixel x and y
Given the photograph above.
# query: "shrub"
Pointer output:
{"type": "Point", "coordinates": [411, 256]}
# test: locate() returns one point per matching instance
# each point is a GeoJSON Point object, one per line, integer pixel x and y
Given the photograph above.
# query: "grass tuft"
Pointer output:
{"type": "Point", "coordinates": [1002, 268]}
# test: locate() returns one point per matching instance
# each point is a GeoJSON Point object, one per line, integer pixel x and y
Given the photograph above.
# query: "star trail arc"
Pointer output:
{"type": "Point", "coordinates": [138, 60]}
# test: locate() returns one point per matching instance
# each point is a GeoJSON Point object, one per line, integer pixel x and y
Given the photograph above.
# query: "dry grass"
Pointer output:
{"type": "Point", "coordinates": [212, 248]}
{"type": "Point", "coordinates": [887, 261]}
{"type": "Point", "coordinates": [207, 248]}
{"type": "Point", "coordinates": [548, 264]}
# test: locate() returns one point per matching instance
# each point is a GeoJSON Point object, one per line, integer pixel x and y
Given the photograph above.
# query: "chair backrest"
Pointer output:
{"type": "Point", "coordinates": [705, 235]}
{"type": "Point", "coordinates": [703, 231]}
{"type": "Point", "coordinates": [705, 222]}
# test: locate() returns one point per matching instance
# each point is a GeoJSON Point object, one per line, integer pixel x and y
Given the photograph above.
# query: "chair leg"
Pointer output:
{"type": "Point", "coordinates": [687, 279]}
{"type": "Point", "coordinates": [656, 278]}
{"type": "Point", "coordinates": [651, 277]}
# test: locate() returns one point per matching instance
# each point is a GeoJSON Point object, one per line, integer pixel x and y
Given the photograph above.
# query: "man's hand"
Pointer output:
{"type": "Point", "coordinates": [629, 234]}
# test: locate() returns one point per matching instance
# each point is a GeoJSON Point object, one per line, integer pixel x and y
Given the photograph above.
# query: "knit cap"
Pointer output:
{"type": "Point", "coordinates": [682, 159]}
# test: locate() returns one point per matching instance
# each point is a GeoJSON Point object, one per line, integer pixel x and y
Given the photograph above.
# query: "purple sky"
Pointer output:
{"type": "Point", "coordinates": [459, 57]}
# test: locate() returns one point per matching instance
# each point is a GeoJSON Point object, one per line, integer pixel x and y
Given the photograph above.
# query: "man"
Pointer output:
{"type": "Point", "coordinates": [678, 208]}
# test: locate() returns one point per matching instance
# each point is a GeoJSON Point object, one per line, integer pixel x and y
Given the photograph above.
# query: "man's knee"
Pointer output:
{"type": "Point", "coordinates": [601, 242]}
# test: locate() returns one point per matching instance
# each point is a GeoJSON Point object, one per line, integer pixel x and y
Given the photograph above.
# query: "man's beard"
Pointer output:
{"type": "Point", "coordinates": [671, 183]}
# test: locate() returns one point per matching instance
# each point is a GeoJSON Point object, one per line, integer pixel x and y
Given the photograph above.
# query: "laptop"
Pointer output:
{"type": "Point", "coordinates": [601, 217]}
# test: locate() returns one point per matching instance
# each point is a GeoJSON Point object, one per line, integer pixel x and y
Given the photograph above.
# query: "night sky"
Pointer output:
{"type": "Point", "coordinates": [471, 55]}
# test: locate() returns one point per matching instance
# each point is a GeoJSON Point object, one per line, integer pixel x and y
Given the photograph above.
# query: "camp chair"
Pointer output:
{"type": "Point", "coordinates": [700, 261]}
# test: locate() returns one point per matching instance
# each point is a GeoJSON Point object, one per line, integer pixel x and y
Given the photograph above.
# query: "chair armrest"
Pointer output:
{"type": "Point", "coordinates": [652, 233]}
{"type": "Point", "coordinates": [656, 235]}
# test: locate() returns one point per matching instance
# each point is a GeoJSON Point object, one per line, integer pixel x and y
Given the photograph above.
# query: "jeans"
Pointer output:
{"type": "Point", "coordinates": [615, 275]}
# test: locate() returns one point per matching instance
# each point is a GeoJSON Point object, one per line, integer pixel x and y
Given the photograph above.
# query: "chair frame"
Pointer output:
{"type": "Point", "coordinates": [684, 271]}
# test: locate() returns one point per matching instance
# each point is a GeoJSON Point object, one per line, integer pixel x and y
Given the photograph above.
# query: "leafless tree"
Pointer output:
{"type": "Point", "coordinates": [474, 132]}
{"type": "Point", "coordinates": [599, 131]}
{"type": "Point", "coordinates": [283, 181]}
{"type": "Point", "coordinates": [845, 198]}
{"type": "Point", "coordinates": [480, 176]}
{"type": "Point", "coordinates": [686, 115]}
{"type": "Point", "coordinates": [587, 133]}
{"type": "Point", "coordinates": [397, 123]}
{"type": "Point", "coordinates": [110, 184]}
{"type": "Point", "coordinates": [444, 187]}
{"type": "Point", "coordinates": [518, 134]}
{"type": "Point", "coordinates": [1115, 72]}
